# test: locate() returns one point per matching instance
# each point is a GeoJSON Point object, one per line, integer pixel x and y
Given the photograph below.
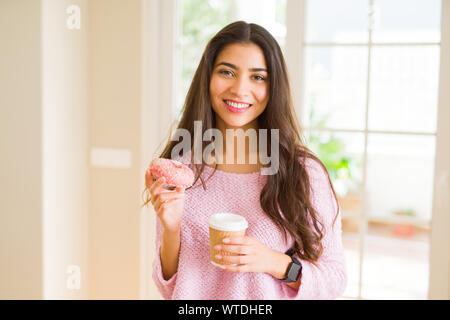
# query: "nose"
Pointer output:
{"type": "Point", "coordinates": [240, 87]}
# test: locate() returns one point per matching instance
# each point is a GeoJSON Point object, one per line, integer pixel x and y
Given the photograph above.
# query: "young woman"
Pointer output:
{"type": "Point", "coordinates": [293, 247]}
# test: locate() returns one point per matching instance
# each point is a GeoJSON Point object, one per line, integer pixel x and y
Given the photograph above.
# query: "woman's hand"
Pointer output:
{"type": "Point", "coordinates": [168, 205]}
{"type": "Point", "coordinates": [253, 257]}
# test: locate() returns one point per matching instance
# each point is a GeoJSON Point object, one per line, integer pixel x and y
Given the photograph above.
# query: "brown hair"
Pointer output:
{"type": "Point", "coordinates": [289, 189]}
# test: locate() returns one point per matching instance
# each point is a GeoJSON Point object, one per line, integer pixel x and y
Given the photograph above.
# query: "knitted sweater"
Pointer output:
{"type": "Point", "coordinates": [198, 279]}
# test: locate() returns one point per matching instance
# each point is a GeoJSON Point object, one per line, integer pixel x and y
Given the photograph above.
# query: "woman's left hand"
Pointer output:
{"type": "Point", "coordinates": [253, 257]}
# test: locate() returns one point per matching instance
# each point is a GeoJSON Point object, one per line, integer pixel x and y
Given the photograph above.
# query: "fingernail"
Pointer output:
{"type": "Point", "coordinates": [218, 247]}
{"type": "Point", "coordinates": [218, 256]}
{"type": "Point", "coordinates": [226, 240]}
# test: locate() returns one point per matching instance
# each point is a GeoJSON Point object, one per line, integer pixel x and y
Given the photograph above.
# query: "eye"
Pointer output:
{"type": "Point", "coordinates": [259, 78]}
{"type": "Point", "coordinates": [226, 72]}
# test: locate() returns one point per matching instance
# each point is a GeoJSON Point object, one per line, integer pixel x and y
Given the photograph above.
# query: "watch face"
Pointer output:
{"type": "Point", "coordinates": [293, 272]}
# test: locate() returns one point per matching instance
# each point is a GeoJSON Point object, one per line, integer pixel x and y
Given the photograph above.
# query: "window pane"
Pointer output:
{"type": "Point", "coordinates": [341, 153]}
{"type": "Point", "coordinates": [404, 88]}
{"type": "Point", "coordinates": [399, 193]}
{"type": "Point", "coordinates": [343, 21]}
{"type": "Point", "coordinates": [270, 14]}
{"type": "Point", "coordinates": [400, 170]}
{"type": "Point", "coordinates": [202, 19]}
{"type": "Point", "coordinates": [406, 21]}
{"type": "Point", "coordinates": [335, 87]}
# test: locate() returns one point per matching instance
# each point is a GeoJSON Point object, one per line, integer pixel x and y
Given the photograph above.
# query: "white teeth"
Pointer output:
{"type": "Point", "coordinates": [237, 105]}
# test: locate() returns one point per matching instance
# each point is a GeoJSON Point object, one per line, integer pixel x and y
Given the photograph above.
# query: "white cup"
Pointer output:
{"type": "Point", "coordinates": [223, 225]}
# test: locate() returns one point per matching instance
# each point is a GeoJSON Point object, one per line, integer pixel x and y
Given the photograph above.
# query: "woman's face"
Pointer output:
{"type": "Point", "coordinates": [239, 87]}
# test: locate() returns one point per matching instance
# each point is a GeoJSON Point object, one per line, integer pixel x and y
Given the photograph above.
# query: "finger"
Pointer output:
{"type": "Point", "coordinates": [239, 249]}
{"type": "Point", "coordinates": [180, 189]}
{"type": "Point", "coordinates": [163, 198]}
{"type": "Point", "coordinates": [167, 195]}
{"type": "Point", "coordinates": [172, 188]}
{"type": "Point", "coordinates": [158, 205]}
{"type": "Point", "coordinates": [148, 178]}
{"type": "Point", "coordinates": [157, 202]}
{"type": "Point", "coordinates": [155, 184]}
{"type": "Point", "coordinates": [237, 269]}
{"type": "Point", "coordinates": [166, 205]}
{"type": "Point", "coordinates": [163, 189]}
{"type": "Point", "coordinates": [241, 240]}
{"type": "Point", "coordinates": [233, 259]}
{"type": "Point", "coordinates": [155, 187]}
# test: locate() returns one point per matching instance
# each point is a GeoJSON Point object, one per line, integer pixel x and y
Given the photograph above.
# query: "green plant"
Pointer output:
{"type": "Point", "coordinates": [407, 212]}
{"type": "Point", "coordinates": [332, 152]}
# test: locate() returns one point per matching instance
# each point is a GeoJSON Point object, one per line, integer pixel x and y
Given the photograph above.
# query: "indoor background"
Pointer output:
{"type": "Point", "coordinates": [89, 91]}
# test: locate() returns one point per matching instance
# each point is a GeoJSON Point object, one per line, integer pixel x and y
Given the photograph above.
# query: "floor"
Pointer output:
{"type": "Point", "coordinates": [393, 266]}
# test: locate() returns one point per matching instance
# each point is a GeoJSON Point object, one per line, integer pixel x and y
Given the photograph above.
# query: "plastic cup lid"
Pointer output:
{"type": "Point", "coordinates": [225, 221]}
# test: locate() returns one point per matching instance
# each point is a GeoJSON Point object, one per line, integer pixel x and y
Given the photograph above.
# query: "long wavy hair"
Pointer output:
{"type": "Point", "coordinates": [289, 189]}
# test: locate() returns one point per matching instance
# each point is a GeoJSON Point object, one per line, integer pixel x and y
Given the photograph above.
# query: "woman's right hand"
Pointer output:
{"type": "Point", "coordinates": [168, 205]}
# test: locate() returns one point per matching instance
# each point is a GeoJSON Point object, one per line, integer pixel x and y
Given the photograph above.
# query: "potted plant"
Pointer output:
{"type": "Point", "coordinates": [404, 229]}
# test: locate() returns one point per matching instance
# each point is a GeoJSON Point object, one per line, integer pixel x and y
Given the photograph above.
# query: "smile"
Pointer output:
{"type": "Point", "coordinates": [237, 107]}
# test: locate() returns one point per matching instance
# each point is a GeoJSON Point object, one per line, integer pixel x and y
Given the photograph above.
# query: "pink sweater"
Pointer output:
{"type": "Point", "coordinates": [197, 279]}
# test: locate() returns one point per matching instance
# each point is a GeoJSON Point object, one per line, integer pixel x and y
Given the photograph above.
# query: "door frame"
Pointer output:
{"type": "Point", "coordinates": [159, 31]}
{"type": "Point", "coordinates": [439, 277]}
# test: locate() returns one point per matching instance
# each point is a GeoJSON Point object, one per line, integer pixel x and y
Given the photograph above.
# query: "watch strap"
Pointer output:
{"type": "Point", "coordinates": [294, 269]}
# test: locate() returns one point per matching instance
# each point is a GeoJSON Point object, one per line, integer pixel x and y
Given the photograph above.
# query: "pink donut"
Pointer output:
{"type": "Point", "coordinates": [176, 173]}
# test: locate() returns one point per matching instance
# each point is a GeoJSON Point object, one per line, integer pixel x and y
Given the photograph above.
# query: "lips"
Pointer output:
{"type": "Point", "coordinates": [237, 106]}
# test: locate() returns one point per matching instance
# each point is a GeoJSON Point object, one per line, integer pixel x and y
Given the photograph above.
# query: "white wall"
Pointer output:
{"type": "Point", "coordinates": [65, 151]}
{"type": "Point", "coordinates": [44, 147]}
{"type": "Point", "coordinates": [21, 150]}
{"type": "Point", "coordinates": [63, 93]}
{"type": "Point", "coordinates": [114, 45]}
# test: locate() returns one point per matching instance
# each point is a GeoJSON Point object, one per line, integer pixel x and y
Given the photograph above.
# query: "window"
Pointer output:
{"type": "Point", "coordinates": [202, 19]}
{"type": "Point", "coordinates": [368, 93]}
{"type": "Point", "coordinates": [371, 71]}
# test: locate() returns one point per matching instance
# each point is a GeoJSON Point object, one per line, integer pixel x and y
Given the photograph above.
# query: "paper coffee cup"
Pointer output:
{"type": "Point", "coordinates": [222, 225]}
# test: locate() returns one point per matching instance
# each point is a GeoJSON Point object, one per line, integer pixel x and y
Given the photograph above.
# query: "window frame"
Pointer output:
{"type": "Point", "coordinates": [160, 25]}
{"type": "Point", "coordinates": [439, 265]}
{"type": "Point", "coordinates": [439, 277]}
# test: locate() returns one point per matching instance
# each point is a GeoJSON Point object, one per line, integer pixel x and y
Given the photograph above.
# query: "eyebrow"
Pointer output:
{"type": "Point", "coordinates": [232, 66]}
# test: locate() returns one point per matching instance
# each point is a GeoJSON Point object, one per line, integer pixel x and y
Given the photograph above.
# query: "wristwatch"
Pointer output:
{"type": "Point", "coordinates": [294, 270]}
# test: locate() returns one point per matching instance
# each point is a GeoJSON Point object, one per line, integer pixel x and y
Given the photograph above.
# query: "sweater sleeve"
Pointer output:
{"type": "Point", "coordinates": [165, 287]}
{"type": "Point", "coordinates": [329, 279]}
